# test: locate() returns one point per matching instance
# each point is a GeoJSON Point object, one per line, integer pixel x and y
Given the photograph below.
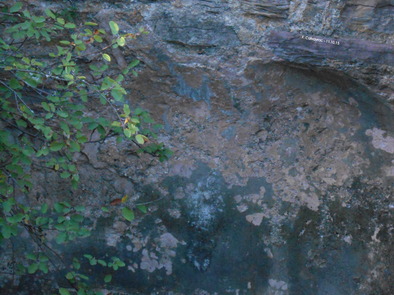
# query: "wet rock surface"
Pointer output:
{"type": "Point", "coordinates": [282, 176]}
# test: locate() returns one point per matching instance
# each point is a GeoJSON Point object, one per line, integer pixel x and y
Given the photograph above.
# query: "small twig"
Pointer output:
{"type": "Point", "coordinates": [41, 166]}
{"type": "Point", "coordinates": [39, 243]}
{"type": "Point", "coordinates": [15, 126]}
{"type": "Point", "coordinates": [17, 96]}
{"type": "Point", "coordinates": [20, 46]}
{"type": "Point", "coordinates": [12, 14]}
{"type": "Point", "coordinates": [14, 181]}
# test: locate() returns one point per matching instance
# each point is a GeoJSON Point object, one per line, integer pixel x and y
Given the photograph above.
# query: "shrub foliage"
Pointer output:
{"type": "Point", "coordinates": [51, 72]}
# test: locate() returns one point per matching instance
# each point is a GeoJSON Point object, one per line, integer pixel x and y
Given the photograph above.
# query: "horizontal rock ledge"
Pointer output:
{"type": "Point", "coordinates": [312, 49]}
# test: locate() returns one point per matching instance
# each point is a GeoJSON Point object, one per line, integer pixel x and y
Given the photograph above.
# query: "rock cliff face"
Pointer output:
{"type": "Point", "coordinates": [280, 114]}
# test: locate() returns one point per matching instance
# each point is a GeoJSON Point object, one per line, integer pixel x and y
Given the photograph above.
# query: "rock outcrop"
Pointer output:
{"type": "Point", "coordinates": [280, 116]}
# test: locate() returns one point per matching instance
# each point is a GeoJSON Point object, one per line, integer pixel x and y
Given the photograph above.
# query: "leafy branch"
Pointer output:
{"type": "Point", "coordinates": [45, 119]}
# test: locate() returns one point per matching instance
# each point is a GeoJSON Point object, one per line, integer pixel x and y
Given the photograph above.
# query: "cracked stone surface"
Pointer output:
{"type": "Point", "coordinates": [281, 181]}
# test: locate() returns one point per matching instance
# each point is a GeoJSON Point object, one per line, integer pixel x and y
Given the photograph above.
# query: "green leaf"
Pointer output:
{"type": "Point", "coordinates": [63, 291]}
{"type": "Point", "coordinates": [56, 146]}
{"type": "Point", "coordinates": [116, 124]}
{"type": "Point", "coordinates": [68, 77]}
{"type": "Point", "coordinates": [126, 109]}
{"type": "Point", "coordinates": [43, 266]}
{"type": "Point", "coordinates": [120, 78]}
{"type": "Point", "coordinates": [127, 213]}
{"type": "Point", "coordinates": [74, 147]}
{"type": "Point", "coordinates": [61, 238]}
{"type": "Point", "coordinates": [117, 94]}
{"type": "Point", "coordinates": [140, 139]}
{"type": "Point", "coordinates": [14, 84]}
{"type": "Point", "coordinates": [15, 218]}
{"type": "Point", "coordinates": [8, 231]}
{"type": "Point", "coordinates": [60, 226]}
{"type": "Point", "coordinates": [78, 125]}
{"type": "Point", "coordinates": [79, 208]}
{"type": "Point", "coordinates": [134, 63]}
{"type": "Point", "coordinates": [121, 41]}
{"type": "Point", "coordinates": [77, 218]}
{"type": "Point", "coordinates": [70, 275]}
{"type": "Point", "coordinates": [76, 264]}
{"type": "Point", "coordinates": [41, 221]}
{"type": "Point", "coordinates": [42, 152]}
{"type": "Point", "coordinates": [127, 133]}
{"type": "Point", "coordinates": [65, 174]}
{"type": "Point", "coordinates": [31, 256]}
{"type": "Point", "coordinates": [47, 132]}
{"type": "Point", "coordinates": [92, 126]}
{"type": "Point", "coordinates": [39, 19]}
{"type": "Point", "coordinates": [58, 207]}
{"type": "Point", "coordinates": [84, 95]}
{"type": "Point", "coordinates": [26, 14]}
{"type": "Point", "coordinates": [102, 262]}
{"type": "Point", "coordinates": [114, 27]}
{"type": "Point", "coordinates": [138, 111]}
{"type": "Point", "coordinates": [16, 7]}
{"type": "Point", "coordinates": [108, 278]}
{"type": "Point", "coordinates": [86, 278]}
{"type": "Point", "coordinates": [93, 261]}
{"type": "Point", "coordinates": [65, 128]}
{"type": "Point", "coordinates": [106, 57]}
{"type": "Point", "coordinates": [62, 114]}
{"type": "Point", "coordinates": [21, 123]}
{"type": "Point", "coordinates": [104, 209]}
{"type": "Point", "coordinates": [32, 268]}
{"type": "Point", "coordinates": [88, 256]}
{"type": "Point", "coordinates": [142, 208]}
{"type": "Point", "coordinates": [90, 24]}
{"type": "Point", "coordinates": [60, 20]}
{"type": "Point", "coordinates": [98, 38]}
{"type": "Point", "coordinates": [7, 205]}
{"type": "Point", "coordinates": [46, 106]}
{"type": "Point", "coordinates": [107, 83]}
{"type": "Point", "coordinates": [82, 139]}
{"type": "Point", "coordinates": [69, 26]}
{"type": "Point", "coordinates": [49, 13]}
{"type": "Point", "coordinates": [43, 258]}
{"type": "Point", "coordinates": [44, 208]}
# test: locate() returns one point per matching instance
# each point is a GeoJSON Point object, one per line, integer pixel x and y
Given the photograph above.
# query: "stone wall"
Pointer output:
{"type": "Point", "coordinates": [282, 176]}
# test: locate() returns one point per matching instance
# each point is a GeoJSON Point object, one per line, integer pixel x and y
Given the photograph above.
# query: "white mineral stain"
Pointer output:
{"type": "Point", "coordinates": [348, 239]}
{"type": "Point", "coordinates": [255, 218]}
{"type": "Point", "coordinates": [269, 252]}
{"type": "Point", "coordinates": [311, 200]}
{"type": "Point", "coordinates": [375, 234]}
{"type": "Point", "coordinates": [389, 171]}
{"type": "Point", "coordinates": [238, 198]}
{"type": "Point", "coordinates": [204, 207]}
{"type": "Point", "coordinates": [147, 263]}
{"type": "Point", "coordinates": [279, 285]}
{"type": "Point", "coordinates": [167, 240]}
{"type": "Point", "coordinates": [380, 141]}
{"type": "Point", "coordinates": [242, 208]}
